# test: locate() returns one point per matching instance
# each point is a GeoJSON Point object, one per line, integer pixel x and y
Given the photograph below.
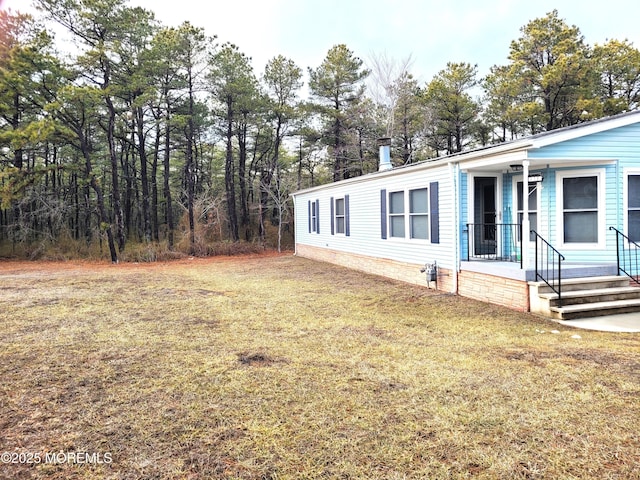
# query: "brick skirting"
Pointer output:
{"type": "Point", "coordinates": [405, 272]}
{"type": "Point", "coordinates": [479, 286]}
{"type": "Point", "coordinates": [498, 290]}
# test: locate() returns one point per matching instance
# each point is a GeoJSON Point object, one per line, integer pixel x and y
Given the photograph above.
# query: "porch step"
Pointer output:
{"type": "Point", "coordinates": [586, 297]}
{"type": "Point", "coordinates": [586, 310]}
{"type": "Point", "coordinates": [586, 283]}
{"type": "Point", "coordinates": [577, 297]}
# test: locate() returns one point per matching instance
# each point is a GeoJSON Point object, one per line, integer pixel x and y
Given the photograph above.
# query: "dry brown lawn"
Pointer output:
{"type": "Point", "coordinates": [277, 367]}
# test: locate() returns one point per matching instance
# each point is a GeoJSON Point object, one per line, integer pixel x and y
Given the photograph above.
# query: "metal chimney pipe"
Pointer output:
{"type": "Point", "coordinates": [384, 145]}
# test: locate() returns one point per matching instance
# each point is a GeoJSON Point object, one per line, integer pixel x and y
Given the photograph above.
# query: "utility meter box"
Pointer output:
{"type": "Point", "coordinates": [431, 270]}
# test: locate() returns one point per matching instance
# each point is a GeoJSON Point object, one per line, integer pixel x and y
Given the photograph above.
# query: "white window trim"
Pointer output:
{"type": "Point", "coordinates": [600, 174]}
{"type": "Point", "coordinates": [407, 217]}
{"type": "Point", "coordinates": [470, 197]}
{"type": "Point", "coordinates": [391, 215]}
{"type": "Point", "coordinates": [336, 216]}
{"type": "Point", "coordinates": [471, 182]}
{"type": "Point", "coordinates": [410, 215]}
{"type": "Point", "coordinates": [625, 197]}
{"type": "Point", "coordinates": [314, 217]}
{"type": "Point", "coordinates": [514, 206]}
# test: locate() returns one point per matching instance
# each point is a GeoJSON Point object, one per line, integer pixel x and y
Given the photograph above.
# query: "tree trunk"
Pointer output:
{"type": "Point", "coordinates": [154, 186]}
{"type": "Point", "coordinates": [75, 227]}
{"type": "Point", "coordinates": [115, 181]}
{"type": "Point", "coordinates": [88, 234]}
{"type": "Point", "coordinates": [338, 170]}
{"type": "Point", "coordinates": [189, 169]}
{"type": "Point", "coordinates": [142, 153]}
{"type": "Point", "coordinates": [105, 222]}
{"type": "Point", "coordinates": [267, 178]}
{"type": "Point", "coordinates": [129, 174]}
{"type": "Point", "coordinates": [229, 181]}
{"type": "Point", "coordinates": [190, 180]}
{"type": "Point", "coordinates": [166, 181]}
{"type": "Point", "coordinates": [242, 178]}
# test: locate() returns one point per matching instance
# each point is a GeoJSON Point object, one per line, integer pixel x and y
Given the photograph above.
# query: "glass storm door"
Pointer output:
{"type": "Point", "coordinates": [484, 201]}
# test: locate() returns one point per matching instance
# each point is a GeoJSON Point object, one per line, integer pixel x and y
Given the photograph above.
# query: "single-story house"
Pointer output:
{"type": "Point", "coordinates": [523, 224]}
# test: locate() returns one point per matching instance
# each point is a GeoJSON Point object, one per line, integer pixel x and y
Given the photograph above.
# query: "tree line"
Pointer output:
{"type": "Point", "coordinates": [162, 135]}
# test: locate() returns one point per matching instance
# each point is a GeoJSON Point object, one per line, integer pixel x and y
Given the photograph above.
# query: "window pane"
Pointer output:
{"type": "Point", "coordinates": [580, 193]}
{"type": "Point", "coordinates": [533, 225]}
{"type": "Point", "coordinates": [634, 225]}
{"type": "Point", "coordinates": [420, 226]}
{"type": "Point", "coordinates": [340, 225]}
{"type": "Point", "coordinates": [533, 198]}
{"type": "Point", "coordinates": [533, 221]}
{"type": "Point", "coordinates": [396, 202]}
{"type": "Point", "coordinates": [634, 191]}
{"type": "Point", "coordinates": [340, 206]}
{"type": "Point", "coordinates": [418, 200]}
{"type": "Point", "coordinates": [397, 226]}
{"type": "Point", "coordinates": [581, 227]}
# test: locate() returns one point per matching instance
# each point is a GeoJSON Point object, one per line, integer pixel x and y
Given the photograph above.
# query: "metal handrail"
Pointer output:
{"type": "Point", "coordinates": [546, 265]}
{"type": "Point", "coordinates": [629, 265]}
{"type": "Point", "coordinates": [495, 241]}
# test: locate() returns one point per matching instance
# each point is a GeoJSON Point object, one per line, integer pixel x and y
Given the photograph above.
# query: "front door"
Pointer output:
{"type": "Point", "coordinates": [484, 216]}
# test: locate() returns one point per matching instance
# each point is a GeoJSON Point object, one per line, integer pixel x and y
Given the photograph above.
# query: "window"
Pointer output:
{"type": "Point", "coordinates": [340, 218]}
{"type": "Point", "coordinates": [533, 207]}
{"type": "Point", "coordinates": [419, 213]}
{"type": "Point", "coordinates": [580, 209]}
{"type": "Point", "coordinates": [314, 216]}
{"type": "Point", "coordinates": [633, 207]}
{"type": "Point", "coordinates": [422, 219]}
{"type": "Point", "coordinates": [396, 214]}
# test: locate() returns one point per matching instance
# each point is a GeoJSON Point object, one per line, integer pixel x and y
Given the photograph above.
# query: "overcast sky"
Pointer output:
{"type": "Point", "coordinates": [432, 32]}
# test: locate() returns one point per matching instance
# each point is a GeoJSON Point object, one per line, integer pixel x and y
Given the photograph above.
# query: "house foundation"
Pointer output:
{"type": "Point", "coordinates": [511, 293]}
{"type": "Point", "coordinates": [503, 291]}
{"type": "Point", "coordinates": [405, 272]}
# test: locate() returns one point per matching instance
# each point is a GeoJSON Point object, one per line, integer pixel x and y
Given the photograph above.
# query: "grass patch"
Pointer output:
{"type": "Point", "coordinates": [276, 367]}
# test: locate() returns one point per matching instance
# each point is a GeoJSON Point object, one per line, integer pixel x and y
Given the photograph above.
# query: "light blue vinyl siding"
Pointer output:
{"type": "Point", "coordinates": [620, 146]}
{"type": "Point", "coordinates": [464, 215]}
{"type": "Point", "coordinates": [548, 227]}
{"type": "Point", "coordinates": [619, 143]}
{"type": "Point", "coordinates": [508, 215]}
{"type": "Point", "coordinates": [549, 210]}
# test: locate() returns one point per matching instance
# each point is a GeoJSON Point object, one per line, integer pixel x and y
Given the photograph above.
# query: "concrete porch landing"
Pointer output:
{"type": "Point", "coordinates": [621, 323]}
{"type": "Point", "coordinates": [513, 271]}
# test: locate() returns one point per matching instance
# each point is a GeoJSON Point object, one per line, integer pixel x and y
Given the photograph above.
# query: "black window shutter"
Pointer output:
{"type": "Point", "coordinates": [332, 218]}
{"type": "Point", "coordinates": [347, 229]}
{"type": "Point", "coordinates": [309, 210]}
{"type": "Point", "coordinates": [434, 213]}
{"type": "Point", "coordinates": [383, 214]}
{"type": "Point", "coordinates": [317, 216]}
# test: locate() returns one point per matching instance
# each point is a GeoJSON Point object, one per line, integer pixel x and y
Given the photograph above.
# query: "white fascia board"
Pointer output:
{"type": "Point", "coordinates": [494, 161]}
